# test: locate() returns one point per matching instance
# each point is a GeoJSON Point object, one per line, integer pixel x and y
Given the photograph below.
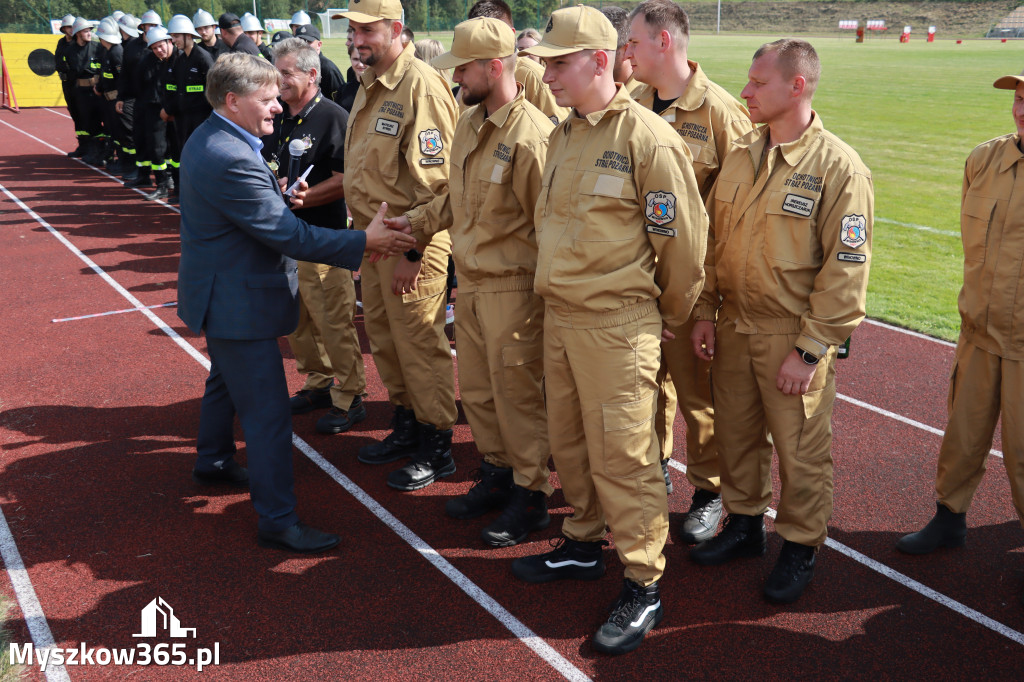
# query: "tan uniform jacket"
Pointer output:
{"type": "Point", "coordinates": [992, 227]}
{"type": "Point", "coordinates": [398, 143]}
{"type": "Point", "coordinates": [708, 119]}
{"type": "Point", "coordinates": [492, 193]}
{"type": "Point", "coordinates": [790, 246]}
{"type": "Point", "coordinates": [620, 221]}
{"type": "Point", "coordinates": [530, 75]}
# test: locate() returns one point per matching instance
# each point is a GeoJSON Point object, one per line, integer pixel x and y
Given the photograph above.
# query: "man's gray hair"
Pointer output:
{"type": "Point", "coordinates": [306, 58]}
{"type": "Point", "coordinates": [242, 74]}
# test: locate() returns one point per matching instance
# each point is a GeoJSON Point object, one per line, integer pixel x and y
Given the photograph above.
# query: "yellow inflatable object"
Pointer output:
{"type": "Point", "coordinates": [30, 63]}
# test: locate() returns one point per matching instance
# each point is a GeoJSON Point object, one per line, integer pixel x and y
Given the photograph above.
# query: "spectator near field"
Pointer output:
{"type": "Point", "coordinates": [787, 276]}
{"type": "Point", "coordinates": [988, 377]}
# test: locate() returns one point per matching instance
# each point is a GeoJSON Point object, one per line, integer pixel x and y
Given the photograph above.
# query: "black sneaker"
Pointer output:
{"type": "Point", "coordinates": [229, 473]}
{"type": "Point", "coordinates": [637, 611]}
{"type": "Point", "coordinates": [432, 460]}
{"type": "Point", "coordinates": [339, 421]}
{"type": "Point", "coordinates": [492, 490]}
{"type": "Point", "coordinates": [668, 478]}
{"type": "Point", "coordinates": [743, 536]}
{"type": "Point", "coordinates": [309, 399]}
{"type": "Point", "coordinates": [527, 512]}
{"type": "Point", "coordinates": [702, 520]}
{"type": "Point", "coordinates": [792, 572]}
{"type": "Point", "coordinates": [569, 560]}
{"type": "Point", "coordinates": [401, 442]}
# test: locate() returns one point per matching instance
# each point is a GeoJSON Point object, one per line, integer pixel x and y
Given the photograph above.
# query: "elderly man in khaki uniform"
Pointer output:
{"type": "Point", "coordinates": [988, 376]}
{"type": "Point", "coordinates": [621, 237]}
{"type": "Point", "coordinates": [397, 150]}
{"type": "Point", "coordinates": [497, 160]}
{"type": "Point", "coordinates": [528, 72]}
{"type": "Point", "coordinates": [708, 119]}
{"type": "Point", "coordinates": [791, 221]}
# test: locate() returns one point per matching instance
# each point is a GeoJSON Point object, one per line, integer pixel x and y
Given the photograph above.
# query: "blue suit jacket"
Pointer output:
{"type": "Point", "coordinates": [237, 277]}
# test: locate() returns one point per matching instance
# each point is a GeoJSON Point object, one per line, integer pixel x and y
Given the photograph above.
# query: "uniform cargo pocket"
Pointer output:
{"type": "Point", "coordinates": [522, 369]}
{"type": "Point", "coordinates": [789, 235]}
{"type": "Point", "coordinates": [975, 219]}
{"type": "Point", "coordinates": [628, 437]}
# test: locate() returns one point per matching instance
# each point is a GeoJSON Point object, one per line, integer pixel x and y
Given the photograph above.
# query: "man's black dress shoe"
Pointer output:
{"type": "Point", "coordinates": [231, 473]}
{"type": "Point", "coordinates": [299, 538]}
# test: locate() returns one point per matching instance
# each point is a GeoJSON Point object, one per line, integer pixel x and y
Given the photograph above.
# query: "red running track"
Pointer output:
{"type": "Point", "coordinates": [98, 421]}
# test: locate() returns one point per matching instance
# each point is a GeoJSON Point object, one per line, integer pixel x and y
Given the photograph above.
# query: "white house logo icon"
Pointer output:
{"type": "Point", "coordinates": [158, 614]}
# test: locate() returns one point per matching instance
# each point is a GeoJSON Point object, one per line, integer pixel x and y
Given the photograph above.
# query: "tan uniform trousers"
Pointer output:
{"type": "Point", "coordinates": [684, 380]}
{"type": "Point", "coordinates": [981, 385]}
{"type": "Point", "coordinates": [600, 372]}
{"type": "Point", "coordinates": [406, 333]}
{"type": "Point", "coordinates": [500, 340]}
{"type": "Point", "coordinates": [325, 344]}
{"type": "Point", "coordinates": [749, 406]}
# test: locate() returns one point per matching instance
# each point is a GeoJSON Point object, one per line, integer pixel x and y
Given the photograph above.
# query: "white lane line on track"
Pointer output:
{"type": "Point", "coordinates": [114, 312]}
{"type": "Point", "coordinates": [915, 226]}
{"type": "Point", "coordinates": [916, 335]}
{"type": "Point", "coordinates": [908, 582]}
{"type": "Point", "coordinates": [59, 113]}
{"type": "Point", "coordinates": [35, 619]}
{"type": "Point", "coordinates": [98, 170]}
{"type": "Point", "coordinates": [489, 604]}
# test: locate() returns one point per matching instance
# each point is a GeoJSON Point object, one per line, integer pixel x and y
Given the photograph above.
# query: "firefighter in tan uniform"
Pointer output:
{"type": "Point", "coordinates": [621, 240]}
{"type": "Point", "coordinates": [791, 220]}
{"type": "Point", "coordinates": [707, 119]}
{"type": "Point", "coordinates": [988, 376]}
{"type": "Point", "coordinates": [497, 159]}
{"type": "Point", "coordinates": [397, 150]}
{"type": "Point", "coordinates": [528, 72]}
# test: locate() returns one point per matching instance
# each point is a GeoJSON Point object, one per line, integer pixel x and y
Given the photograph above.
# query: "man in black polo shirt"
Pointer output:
{"type": "Point", "coordinates": [325, 344]}
{"type": "Point", "coordinates": [331, 81]}
{"type": "Point", "coordinates": [232, 34]}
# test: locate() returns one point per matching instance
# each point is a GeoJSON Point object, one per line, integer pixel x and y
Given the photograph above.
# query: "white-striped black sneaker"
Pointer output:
{"type": "Point", "coordinates": [636, 612]}
{"type": "Point", "coordinates": [569, 560]}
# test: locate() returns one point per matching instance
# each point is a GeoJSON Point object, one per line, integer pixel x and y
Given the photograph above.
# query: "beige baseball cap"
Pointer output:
{"type": "Point", "coordinates": [1009, 82]}
{"type": "Point", "coordinates": [479, 38]}
{"type": "Point", "coordinates": [369, 11]}
{"type": "Point", "coordinates": [573, 29]}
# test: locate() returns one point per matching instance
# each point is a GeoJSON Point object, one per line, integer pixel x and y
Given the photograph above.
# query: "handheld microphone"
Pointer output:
{"type": "Point", "coordinates": [296, 148]}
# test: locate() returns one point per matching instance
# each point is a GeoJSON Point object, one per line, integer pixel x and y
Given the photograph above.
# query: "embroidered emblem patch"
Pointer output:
{"type": "Point", "coordinates": [661, 207]}
{"type": "Point", "coordinates": [386, 127]}
{"type": "Point", "coordinates": [430, 142]}
{"type": "Point", "coordinates": [854, 231]}
{"type": "Point", "coordinates": [799, 205]}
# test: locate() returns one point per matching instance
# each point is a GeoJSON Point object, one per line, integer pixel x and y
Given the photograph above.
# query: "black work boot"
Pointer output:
{"type": "Point", "coordinates": [163, 187]}
{"type": "Point", "coordinates": [80, 150]}
{"type": "Point", "coordinates": [93, 152]}
{"type": "Point", "coordinates": [131, 171]}
{"type": "Point", "coordinates": [338, 420]}
{"type": "Point", "coordinates": [946, 529]}
{"type": "Point", "coordinates": [634, 614]}
{"type": "Point", "coordinates": [792, 572]}
{"type": "Point", "coordinates": [142, 179]}
{"type": "Point", "coordinates": [526, 512]}
{"type": "Point", "coordinates": [668, 478]}
{"type": "Point", "coordinates": [702, 520]}
{"type": "Point", "coordinates": [432, 460]}
{"type": "Point", "coordinates": [401, 442]}
{"type": "Point", "coordinates": [743, 536]}
{"type": "Point", "coordinates": [569, 560]}
{"type": "Point", "coordinates": [492, 490]}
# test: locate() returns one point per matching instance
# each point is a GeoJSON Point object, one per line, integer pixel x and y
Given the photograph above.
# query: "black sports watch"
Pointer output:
{"type": "Point", "coordinates": [808, 358]}
{"type": "Point", "coordinates": [413, 256]}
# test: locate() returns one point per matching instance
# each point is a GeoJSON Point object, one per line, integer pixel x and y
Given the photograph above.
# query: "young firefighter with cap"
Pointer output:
{"type": "Point", "coordinates": [325, 343]}
{"type": "Point", "coordinates": [149, 103]}
{"type": "Point", "coordinates": [988, 376]}
{"type": "Point", "coordinates": [398, 147]}
{"type": "Point", "coordinates": [190, 69]}
{"type": "Point", "coordinates": [233, 35]}
{"type": "Point", "coordinates": [331, 81]}
{"type": "Point", "coordinates": [621, 234]}
{"type": "Point", "coordinates": [787, 275]}
{"type": "Point", "coordinates": [707, 118]}
{"type": "Point", "coordinates": [83, 60]}
{"type": "Point", "coordinates": [206, 27]}
{"type": "Point", "coordinates": [254, 29]}
{"type": "Point", "coordinates": [497, 161]}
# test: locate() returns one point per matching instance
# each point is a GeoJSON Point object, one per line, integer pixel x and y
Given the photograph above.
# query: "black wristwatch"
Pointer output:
{"type": "Point", "coordinates": [413, 256]}
{"type": "Point", "coordinates": [808, 358]}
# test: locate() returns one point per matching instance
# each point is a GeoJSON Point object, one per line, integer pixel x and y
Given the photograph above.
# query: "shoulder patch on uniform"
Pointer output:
{"type": "Point", "coordinates": [386, 127]}
{"type": "Point", "coordinates": [851, 257]}
{"type": "Point", "coordinates": [799, 205]}
{"type": "Point", "coordinates": [660, 208]}
{"type": "Point", "coordinates": [663, 231]}
{"type": "Point", "coordinates": [436, 161]}
{"type": "Point", "coordinates": [430, 142]}
{"type": "Point", "coordinates": [854, 231]}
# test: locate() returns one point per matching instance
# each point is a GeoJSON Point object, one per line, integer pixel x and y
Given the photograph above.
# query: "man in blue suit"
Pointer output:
{"type": "Point", "coordinates": [237, 281]}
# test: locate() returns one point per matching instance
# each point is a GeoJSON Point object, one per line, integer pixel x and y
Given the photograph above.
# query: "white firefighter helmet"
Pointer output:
{"type": "Point", "coordinates": [203, 18]}
{"type": "Point", "coordinates": [179, 23]}
{"type": "Point", "coordinates": [156, 34]}
{"type": "Point", "coordinates": [300, 18]}
{"type": "Point", "coordinates": [151, 17]}
{"type": "Point", "coordinates": [250, 23]}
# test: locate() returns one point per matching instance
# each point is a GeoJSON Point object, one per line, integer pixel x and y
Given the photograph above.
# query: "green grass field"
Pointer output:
{"type": "Point", "coordinates": [913, 111]}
